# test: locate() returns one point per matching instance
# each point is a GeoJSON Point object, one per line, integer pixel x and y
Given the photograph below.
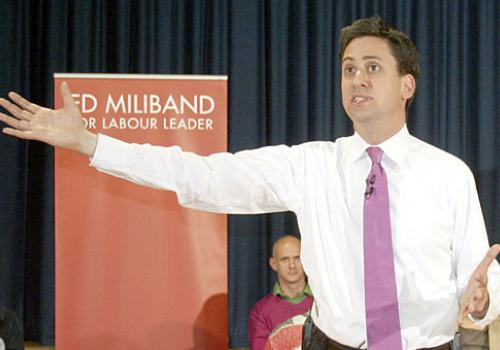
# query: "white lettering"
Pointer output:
{"type": "Point", "coordinates": [90, 123]}
{"type": "Point", "coordinates": [130, 123]}
{"type": "Point", "coordinates": [185, 102]}
{"type": "Point", "coordinates": [119, 107]}
{"type": "Point", "coordinates": [170, 105]}
{"type": "Point", "coordinates": [154, 104]}
{"type": "Point", "coordinates": [187, 123]}
{"type": "Point", "coordinates": [136, 107]}
{"type": "Point", "coordinates": [87, 102]}
{"type": "Point", "coordinates": [203, 107]}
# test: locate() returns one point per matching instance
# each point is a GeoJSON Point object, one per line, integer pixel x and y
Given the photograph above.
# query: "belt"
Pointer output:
{"type": "Point", "coordinates": [319, 341]}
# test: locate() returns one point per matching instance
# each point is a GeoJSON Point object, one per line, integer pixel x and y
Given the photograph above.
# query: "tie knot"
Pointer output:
{"type": "Point", "coordinates": [375, 154]}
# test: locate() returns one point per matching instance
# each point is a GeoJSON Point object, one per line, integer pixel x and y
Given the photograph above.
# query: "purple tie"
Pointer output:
{"type": "Point", "coordinates": [381, 299]}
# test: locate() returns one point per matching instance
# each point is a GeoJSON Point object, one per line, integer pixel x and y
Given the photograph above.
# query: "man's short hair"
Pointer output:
{"type": "Point", "coordinates": [403, 49]}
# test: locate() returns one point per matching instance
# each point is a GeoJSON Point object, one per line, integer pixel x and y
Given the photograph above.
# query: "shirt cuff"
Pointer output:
{"type": "Point", "coordinates": [110, 153]}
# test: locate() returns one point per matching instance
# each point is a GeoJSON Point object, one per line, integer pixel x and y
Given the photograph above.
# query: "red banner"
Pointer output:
{"type": "Point", "coordinates": [134, 270]}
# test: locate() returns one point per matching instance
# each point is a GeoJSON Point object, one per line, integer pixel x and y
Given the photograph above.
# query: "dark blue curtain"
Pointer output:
{"type": "Point", "coordinates": [284, 87]}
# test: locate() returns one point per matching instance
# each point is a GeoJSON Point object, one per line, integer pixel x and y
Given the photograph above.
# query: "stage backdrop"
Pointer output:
{"type": "Point", "coordinates": [133, 269]}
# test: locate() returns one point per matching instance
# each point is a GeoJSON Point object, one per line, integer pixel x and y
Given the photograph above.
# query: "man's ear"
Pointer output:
{"type": "Point", "coordinates": [408, 86]}
{"type": "Point", "coordinates": [272, 263]}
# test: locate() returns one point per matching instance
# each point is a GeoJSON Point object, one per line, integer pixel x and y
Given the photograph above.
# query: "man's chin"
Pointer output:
{"type": "Point", "coordinates": [360, 115]}
{"type": "Point", "coordinates": [294, 279]}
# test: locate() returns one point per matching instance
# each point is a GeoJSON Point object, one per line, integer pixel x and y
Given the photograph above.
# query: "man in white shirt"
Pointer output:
{"type": "Point", "coordinates": [441, 257]}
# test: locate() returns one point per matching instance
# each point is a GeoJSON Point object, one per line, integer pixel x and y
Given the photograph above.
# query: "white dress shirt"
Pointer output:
{"type": "Point", "coordinates": [438, 231]}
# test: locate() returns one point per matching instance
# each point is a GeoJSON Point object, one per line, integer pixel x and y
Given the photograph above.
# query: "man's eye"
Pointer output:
{"type": "Point", "coordinates": [349, 70]}
{"type": "Point", "coordinates": [373, 68]}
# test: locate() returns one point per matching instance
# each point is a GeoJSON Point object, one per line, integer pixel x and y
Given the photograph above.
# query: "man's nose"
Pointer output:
{"type": "Point", "coordinates": [361, 78]}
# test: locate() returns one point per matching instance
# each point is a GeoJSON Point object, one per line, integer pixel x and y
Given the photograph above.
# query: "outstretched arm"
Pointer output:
{"type": "Point", "coordinates": [475, 299]}
{"type": "Point", "coordinates": [63, 127]}
{"type": "Point", "coordinates": [264, 180]}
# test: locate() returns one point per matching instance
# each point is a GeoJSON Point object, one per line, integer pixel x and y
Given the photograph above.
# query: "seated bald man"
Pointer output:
{"type": "Point", "coordinates": [291, 295]}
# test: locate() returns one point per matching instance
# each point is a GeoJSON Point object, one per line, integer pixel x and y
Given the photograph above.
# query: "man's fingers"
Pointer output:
{"type": "Point", "coordinates": [476, 306]}
{"type": "Point", "coordinates": [15, 110]}
{"type": "Point", "coordinates": [491, 255]}
{"type": "Point", "coordinates": [24, 103]}
{"type": "Point", "coordinates": [26, 134]}
{"type": "Point", "coordinates": [463, 306]}
{"type": "Point", "coordinates": [69, 102]}
{"type": "Point", "coordinates": [21, 125]}
{"type": "Point", "coordinates": [471, 308]}
{"type": "Point", "coordinates": [6, 119]}
{"type": "Point", "coordinates": [14, 123]}
{"type": "Point", "coordinates": [478, 295]}
{"type": "Point", "coordinates": [465, 302]}
{"type": "Point", "coordinates": [461, 314]}
{"type": "Point", "coordinates": [475, 297]}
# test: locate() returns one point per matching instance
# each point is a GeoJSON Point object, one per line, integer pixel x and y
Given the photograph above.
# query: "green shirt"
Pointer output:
{"type": "Point", "coordinates": [298, 298]}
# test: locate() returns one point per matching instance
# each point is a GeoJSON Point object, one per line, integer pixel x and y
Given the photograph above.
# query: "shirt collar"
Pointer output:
{"type": "Point", "coordinates": [395, 148]}
{"type": "Point", "coordinates": [278, 292]}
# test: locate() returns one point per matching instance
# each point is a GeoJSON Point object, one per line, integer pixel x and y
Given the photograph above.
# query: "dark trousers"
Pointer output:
{"type": "Point", "coordinates": [314, 339]}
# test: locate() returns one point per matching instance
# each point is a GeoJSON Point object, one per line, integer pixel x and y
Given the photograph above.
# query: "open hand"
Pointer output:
{"type": "Point", "coordinates": [63, 127]}
{"type": "Point", "coordinates": [475, 299]}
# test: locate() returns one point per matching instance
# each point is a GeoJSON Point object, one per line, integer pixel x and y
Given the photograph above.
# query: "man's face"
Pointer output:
{"type": "Point", "coordinates": [286, 261]}
{"type": "Point", "coordinates": [372, 88]}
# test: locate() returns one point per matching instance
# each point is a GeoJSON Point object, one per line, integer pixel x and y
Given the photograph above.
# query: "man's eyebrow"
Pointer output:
{"type": "Point", "coordinates": [368, 57]}
{"type": "Point", "coordinates": [371, 57]}
{"type": "Point", "coordinates": [347, 58]}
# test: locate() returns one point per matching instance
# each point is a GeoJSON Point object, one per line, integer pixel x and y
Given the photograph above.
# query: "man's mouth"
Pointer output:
{"type": "Point", "coordinates": [359, 99]}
